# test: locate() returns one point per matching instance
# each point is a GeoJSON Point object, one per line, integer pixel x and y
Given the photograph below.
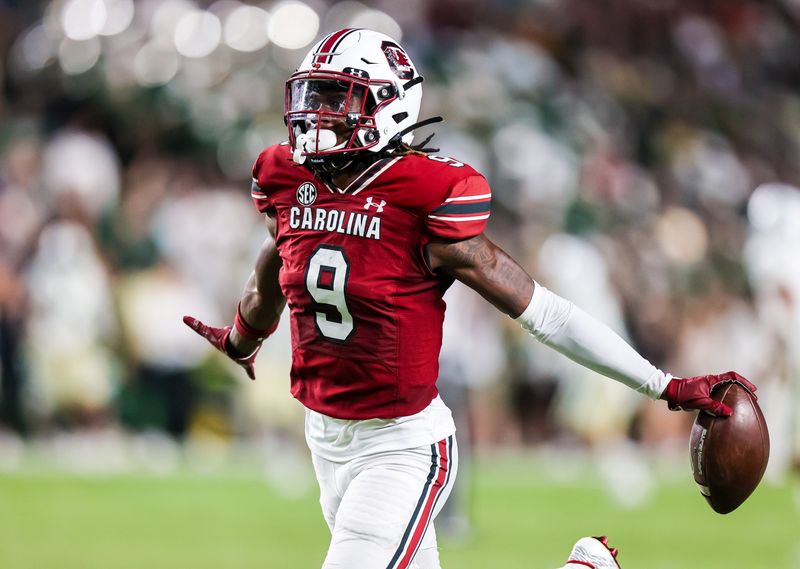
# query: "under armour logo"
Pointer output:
{"type": "Point", "coordinates": [370, 204]}
{"type": "Point", "coordinates": [356, 72]}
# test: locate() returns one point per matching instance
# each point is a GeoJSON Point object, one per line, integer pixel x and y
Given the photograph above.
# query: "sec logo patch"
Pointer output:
{"type": "Point", "coordinates": [306, 193]}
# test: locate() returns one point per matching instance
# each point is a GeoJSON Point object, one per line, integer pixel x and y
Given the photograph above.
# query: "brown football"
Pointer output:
{"type": "Point", "coordinates": [729, 455]}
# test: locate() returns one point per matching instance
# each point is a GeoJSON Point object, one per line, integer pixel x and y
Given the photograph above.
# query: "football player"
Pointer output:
{"type": "Point", "coordinates": [367, 233]}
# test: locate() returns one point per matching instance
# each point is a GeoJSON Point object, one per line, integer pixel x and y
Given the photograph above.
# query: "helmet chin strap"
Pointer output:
{"type": "Point", "coordinates": [314, 141]}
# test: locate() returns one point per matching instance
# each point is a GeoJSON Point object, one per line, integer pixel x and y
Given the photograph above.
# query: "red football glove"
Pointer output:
{"type": "Point", "coordinates": [695, 393]}
{"type": "Point", "coordinates": [218, 337]}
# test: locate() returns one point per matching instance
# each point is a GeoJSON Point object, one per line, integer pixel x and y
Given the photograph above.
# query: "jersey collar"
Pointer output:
{"type": "Point", "coordinates": [366, 177]}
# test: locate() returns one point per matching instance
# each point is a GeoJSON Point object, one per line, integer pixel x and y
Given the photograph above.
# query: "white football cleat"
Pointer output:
{"type": "Point", "coordinates": [593, 552]}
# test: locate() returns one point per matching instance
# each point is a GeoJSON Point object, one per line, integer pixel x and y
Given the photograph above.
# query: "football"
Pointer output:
{"type": "Point", "coordinates": [729, 454]}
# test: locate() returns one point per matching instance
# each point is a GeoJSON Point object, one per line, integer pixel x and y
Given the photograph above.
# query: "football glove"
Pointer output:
{"type": "Point", "coordinates": [218, 337]}
{"type": "Point", "coordinates": [695, 392]}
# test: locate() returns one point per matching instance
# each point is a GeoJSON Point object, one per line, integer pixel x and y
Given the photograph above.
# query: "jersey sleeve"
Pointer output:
{"type": "Point", "coordinates": [258, 190]}
{"type": "Point", "coordinates": [464, 211]}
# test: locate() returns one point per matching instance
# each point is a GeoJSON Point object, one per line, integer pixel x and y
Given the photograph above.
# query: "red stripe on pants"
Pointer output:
{"type": "Point", "coordinates": [428, 508]}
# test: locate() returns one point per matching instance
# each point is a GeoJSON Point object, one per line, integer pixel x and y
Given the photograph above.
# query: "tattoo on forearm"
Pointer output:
{"type": "Point", "coordinates": [510, 274]}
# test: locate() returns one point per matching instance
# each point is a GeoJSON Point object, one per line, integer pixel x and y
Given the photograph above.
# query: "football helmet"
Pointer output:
{"type": "Point", "coordinates": [356, 92]}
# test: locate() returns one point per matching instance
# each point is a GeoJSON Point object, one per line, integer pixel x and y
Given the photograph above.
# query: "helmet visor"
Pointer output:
{"type": "Point", "coordinates": [324, 95]}
{"type": "Point", "coordinates": [329, 109]}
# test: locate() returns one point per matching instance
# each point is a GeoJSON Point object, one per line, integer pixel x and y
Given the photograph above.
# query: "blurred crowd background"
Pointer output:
{"type": "Point", "coordinates": [644, 156]}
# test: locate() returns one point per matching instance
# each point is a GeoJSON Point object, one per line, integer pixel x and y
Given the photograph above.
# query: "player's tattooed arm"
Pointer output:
{"type": "Point", "coordinates": [262, 300]}
{"type": "Point", "coordinates": [486, 268]}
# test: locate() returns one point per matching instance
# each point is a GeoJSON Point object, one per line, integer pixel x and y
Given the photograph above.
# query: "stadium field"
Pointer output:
{"type": "Point", "coordinates": [235, 520]}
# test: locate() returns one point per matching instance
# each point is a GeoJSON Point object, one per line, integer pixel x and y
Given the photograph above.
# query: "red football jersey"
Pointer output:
{"type": "Point", "coordinates": [366, 311]}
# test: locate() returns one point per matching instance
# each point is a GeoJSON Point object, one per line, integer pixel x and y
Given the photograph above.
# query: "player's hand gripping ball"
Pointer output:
{"type": "Point", "coordinates": [729, 453]}
{"type": "Point", "coordinates": [688, 393]}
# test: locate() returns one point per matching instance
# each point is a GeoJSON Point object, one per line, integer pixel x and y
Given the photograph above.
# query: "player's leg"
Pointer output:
{"type": "Point", "coordinates": [592, 552]}
{"type": "Point", "coordinates": [427, 556]}
{"type": "Point", "coordinates": [330, 494]}
{"type": "Point", "coordinates": [384, 518]}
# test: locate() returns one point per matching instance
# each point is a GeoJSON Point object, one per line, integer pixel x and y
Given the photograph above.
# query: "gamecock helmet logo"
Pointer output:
{"type": "Point", "coordinates": [398, 60]}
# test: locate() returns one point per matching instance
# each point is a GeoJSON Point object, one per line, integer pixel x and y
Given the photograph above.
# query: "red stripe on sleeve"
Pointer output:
{"type": "Point", "coordinates": [258, 194]}
{"type": "Point", "coordinates": [464, 191]}
{"type": "Point", "coordinates": [461, 215]}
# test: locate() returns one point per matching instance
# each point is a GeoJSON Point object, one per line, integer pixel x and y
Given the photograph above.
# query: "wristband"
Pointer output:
{"type": "Point", "coordinates": [248, 332]}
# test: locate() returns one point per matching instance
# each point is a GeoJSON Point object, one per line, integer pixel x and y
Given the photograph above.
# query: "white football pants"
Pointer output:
{"type": "Point", "coordinates": [379, 508]}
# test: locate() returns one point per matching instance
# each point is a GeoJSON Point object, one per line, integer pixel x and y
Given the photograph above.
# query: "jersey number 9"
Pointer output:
{"type": "Point", "coordinates": [326, 281]}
